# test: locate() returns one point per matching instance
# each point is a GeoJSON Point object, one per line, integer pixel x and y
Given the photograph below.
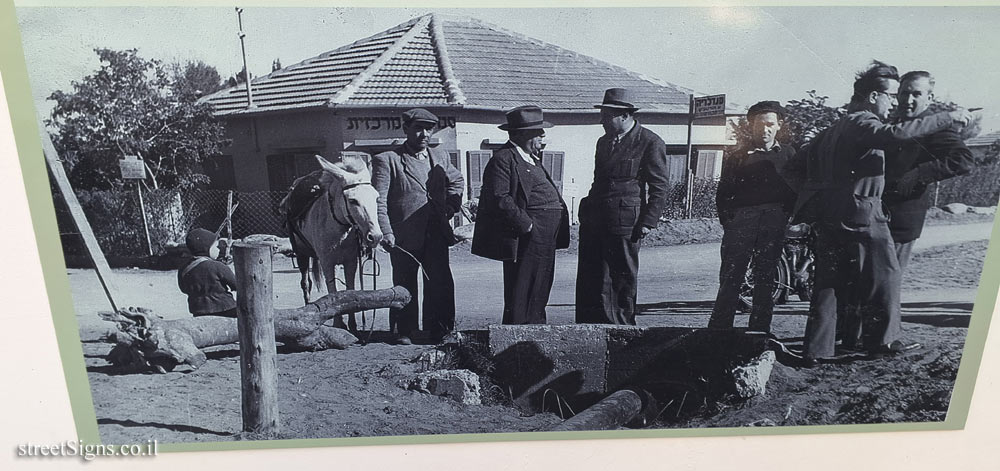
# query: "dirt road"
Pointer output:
{"type": "Point", "coordinates": [680, 278]}
{"type": "Point", "coordinates": [357, 391]}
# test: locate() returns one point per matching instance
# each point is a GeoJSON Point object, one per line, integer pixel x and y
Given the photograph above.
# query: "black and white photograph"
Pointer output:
{"type": "Point", "coordinates": [284, 223]}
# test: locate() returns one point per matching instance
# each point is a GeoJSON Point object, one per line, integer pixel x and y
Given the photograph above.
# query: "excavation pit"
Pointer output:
{"type": "Point", "coordinates": [675, 370]}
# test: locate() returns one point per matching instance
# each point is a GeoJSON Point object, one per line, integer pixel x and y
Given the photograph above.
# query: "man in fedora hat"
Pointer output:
{"type": "Point", "coordinates": [754, 202]}
{"type": "Point", "coordinates": [624, 204]}
{"type": "Point", "coordinates": [419, 191]}
{"type": "Point", "coordinates": [522, 218]}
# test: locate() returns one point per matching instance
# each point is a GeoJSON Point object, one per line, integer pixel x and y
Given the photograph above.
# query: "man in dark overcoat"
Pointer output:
{"type": "Point", "coordinates": [522, 219]}
{"type": "Point", "coordinates": [419, 191]}
{"type": "Point", "coordinates": [754, 202]}
{"type": "Point", "coordinates": [856, 266]}
{"type": "Point", "coordinates": [625, 203]}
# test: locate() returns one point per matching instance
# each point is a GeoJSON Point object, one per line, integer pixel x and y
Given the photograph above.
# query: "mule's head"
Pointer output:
{"type": "Point", "coordinates": [358, 195]}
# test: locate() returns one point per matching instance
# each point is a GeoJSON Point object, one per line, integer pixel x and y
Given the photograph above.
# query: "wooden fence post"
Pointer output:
{"type": "Point", "coordinates": [258, 355]}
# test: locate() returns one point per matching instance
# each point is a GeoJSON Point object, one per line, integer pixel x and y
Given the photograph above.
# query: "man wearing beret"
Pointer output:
{"type": "Point", "coordinates": [522, 218]}
{"type": "Point", "coordinates": [419, 191]}
{"type": "Point", "coordinates": [625, 203]}
{"type": "Point", "coordinates": [753, 201]}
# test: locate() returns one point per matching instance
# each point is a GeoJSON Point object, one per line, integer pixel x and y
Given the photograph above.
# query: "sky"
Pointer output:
{"type": "Point", "coordinates": [748, 53]}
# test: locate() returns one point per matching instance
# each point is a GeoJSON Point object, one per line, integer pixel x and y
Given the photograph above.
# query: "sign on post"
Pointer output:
{"type": "Point", "coordinates": [714, 105]}
{"type": "Point", "coordinates": [132, 168]}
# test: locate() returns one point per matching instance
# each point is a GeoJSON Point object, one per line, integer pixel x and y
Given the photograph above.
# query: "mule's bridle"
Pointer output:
{"type": "Point", "coordinates": [347, 206]}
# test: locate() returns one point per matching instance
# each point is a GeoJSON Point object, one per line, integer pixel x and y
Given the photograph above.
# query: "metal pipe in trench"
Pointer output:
{"type": "Point", "coordinates": [608, 414]}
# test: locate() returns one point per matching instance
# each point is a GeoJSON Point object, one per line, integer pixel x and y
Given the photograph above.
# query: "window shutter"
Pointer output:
{"type": "Point", "coordinates": [676, 170]}
{"type": "Point", "coordinates": [709, 164]}
{"type": "Point", "coordinates": [554, 163]}
{"type": "Point", "coordinates": [477, 160]}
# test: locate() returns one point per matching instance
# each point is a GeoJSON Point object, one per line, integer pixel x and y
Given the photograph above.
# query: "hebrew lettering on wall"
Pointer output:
{"type": "Point", "coordinates": [372, 123]}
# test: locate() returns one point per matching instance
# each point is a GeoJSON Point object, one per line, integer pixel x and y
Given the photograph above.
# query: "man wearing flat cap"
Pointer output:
{"type": "Point", "coordinates": [753, 202]}
{"type": "Point", "coordinates": [419, 191]}
{"type": "Point", "coordinates": [522, 218]}
{"type": "Point", "coordinates": [625, 203]}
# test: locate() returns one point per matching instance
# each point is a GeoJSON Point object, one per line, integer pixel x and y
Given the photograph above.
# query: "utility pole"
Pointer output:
{"type": "Point", "coordinates": [689, 190]}
{"type": "Point", "coordinates": [243, 48]}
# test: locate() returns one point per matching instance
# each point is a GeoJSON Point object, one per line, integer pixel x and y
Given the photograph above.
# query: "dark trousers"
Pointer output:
{"type": "Point", "coordinates": [606, 278]}
{"type": "Point", "coordinates": [528, 281]}
{"type": "Point", "coordinates": [757, 233]}
{"type": "Point", "coordinates": [439, 287]}
{"type": "Point", "coordinates": [857, 277]}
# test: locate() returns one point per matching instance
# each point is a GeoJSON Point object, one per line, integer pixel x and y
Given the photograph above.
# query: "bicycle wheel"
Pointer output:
{"type": "Point", "coordinates": [780, 294]}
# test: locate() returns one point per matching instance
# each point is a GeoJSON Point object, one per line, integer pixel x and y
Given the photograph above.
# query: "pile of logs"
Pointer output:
{"type": "Point", "coordinates": [146, 342]}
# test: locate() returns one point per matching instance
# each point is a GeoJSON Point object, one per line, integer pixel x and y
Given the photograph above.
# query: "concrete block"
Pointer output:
{"type": "Point", "coordinates": [751, 379]}
{"type": "Point", "coordinates": [569, 360]}
{"type": "Point", "coordinates": [584, 363]}
{"type": "Point", "coordinates": [458, 385]}
{"type": "Point", "coordinates": [677, 358]}
{"type": "Point", "coordinates": [956, 208]}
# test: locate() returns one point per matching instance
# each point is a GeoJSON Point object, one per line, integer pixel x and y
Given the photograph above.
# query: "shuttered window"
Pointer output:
{"type": "Point", "coordinates": [477, 160]}
{"type": "Point", "coordinates": [554, 163]}
{"type": "Point", "coordinates": [709, 164]}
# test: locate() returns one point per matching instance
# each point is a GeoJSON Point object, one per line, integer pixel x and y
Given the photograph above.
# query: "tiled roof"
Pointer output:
{"type": "Point", "coordinates": [442, 60]}
{"type": "Point", "coordinates": [983, 139]}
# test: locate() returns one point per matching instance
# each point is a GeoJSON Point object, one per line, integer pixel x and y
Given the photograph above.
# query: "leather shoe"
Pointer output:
{"type": "Point", "coordinates": [894, 348]}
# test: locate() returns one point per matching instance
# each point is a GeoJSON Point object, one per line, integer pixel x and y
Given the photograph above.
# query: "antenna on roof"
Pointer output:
{"type": "Point", "coordinates": [243, 47]}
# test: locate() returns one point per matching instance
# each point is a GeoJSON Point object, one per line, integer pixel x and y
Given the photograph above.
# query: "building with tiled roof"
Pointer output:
{"type": "Point", "coordinates": [467, 72]}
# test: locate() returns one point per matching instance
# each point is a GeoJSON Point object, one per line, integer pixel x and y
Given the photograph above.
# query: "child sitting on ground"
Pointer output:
{"type": "Point", "coordinates": [207, 282]}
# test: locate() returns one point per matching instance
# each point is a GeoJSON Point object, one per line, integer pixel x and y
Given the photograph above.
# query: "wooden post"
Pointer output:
{"type": "Point", "coordinates": [145, 222]}
{"type": "Point", "coordinates": [229, 217]}
{"type": "Point", "coordinates": [258, 355]}
{"type": "Point", "coordinates": [58, 173]}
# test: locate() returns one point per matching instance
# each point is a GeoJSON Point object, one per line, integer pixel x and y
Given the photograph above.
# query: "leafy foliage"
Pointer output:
{"type": "Point", "coordinates": [135, 106]}
{"type": "Point", "coordinates": [805, 118]}
{"type": "Point", "coordinates": [194, 80]}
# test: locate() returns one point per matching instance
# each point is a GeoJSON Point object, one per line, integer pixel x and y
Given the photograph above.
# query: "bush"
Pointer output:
{"type": "Point", "coordinates": [981, 187]}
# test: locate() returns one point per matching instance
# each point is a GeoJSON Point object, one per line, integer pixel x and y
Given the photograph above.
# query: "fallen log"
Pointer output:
{"type": "Point", "coordinates": [609, 413]}
{"type": "Point", "coordinates": [146, 342]}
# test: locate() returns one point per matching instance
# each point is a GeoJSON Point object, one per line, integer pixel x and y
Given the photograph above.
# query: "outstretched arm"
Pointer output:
{"type": "Point", "coordinates": [873, 133]}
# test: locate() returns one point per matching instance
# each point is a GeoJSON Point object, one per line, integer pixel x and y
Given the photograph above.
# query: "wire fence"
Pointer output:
{"type": "Point", "coordinates": [118, 224]}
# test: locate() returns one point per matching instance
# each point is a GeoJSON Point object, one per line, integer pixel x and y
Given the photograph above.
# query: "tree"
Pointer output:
{"type": "Point", "coordinates": [194, 80]}
{"type": "Point", "coordinates": [133, 106]}
{"type": "Point", "coordinates": [804, 119]}
{"type": "Point", "coordinates": [240, 77]}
